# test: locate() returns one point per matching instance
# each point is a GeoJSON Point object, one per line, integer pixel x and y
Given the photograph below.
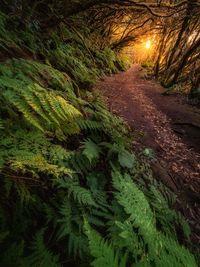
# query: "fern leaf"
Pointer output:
{"type": "Point", "coordinates": [80, 194]}
{"type": "Point", "coordinates": [65, 221]}
{"type": "Point", "coordinates": [163, 249]}
{"type": "Point", "coordinates": [91, 150]}
{"type": "Point", "coordinates": [126, 159]}
{"type": "Point", "coordinates": [101, 250]}
{"type": "Point", "coordinates": [40, 255]}
{"type": "Point", "coordinates": [87, 124]}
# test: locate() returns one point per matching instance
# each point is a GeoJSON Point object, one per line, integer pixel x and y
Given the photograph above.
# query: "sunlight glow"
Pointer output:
{"type": "Point", "coordinates": [148, 44]}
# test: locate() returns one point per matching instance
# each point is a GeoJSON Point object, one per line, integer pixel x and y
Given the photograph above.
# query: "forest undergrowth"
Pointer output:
{"type": "Point", "coordinates": [73, 193]}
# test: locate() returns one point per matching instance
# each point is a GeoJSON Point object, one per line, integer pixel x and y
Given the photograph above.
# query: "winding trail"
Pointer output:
{"type": "Point", "coordinates": [170, 126]}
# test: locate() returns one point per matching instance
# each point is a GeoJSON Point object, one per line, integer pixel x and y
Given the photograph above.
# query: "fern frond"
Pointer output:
{"type": "Point", "coordinates": [136, 206]}
{"type": "Point", "coordinates": [90, 150]}
{"type": "Point", "coordinates": [41, 255]}
{"type": "Point", "coordinates": [44, 108]}
{"type": "Point", "coordinates": [101, 250]}
{"type": "Point", "coordinates": [80, 163]}
{"type": "Point", "coordinates": [164, 249]}
{"type": "Point", "coordinates": [65, 222]}
{"type": "Point", "coordinates": [88, 124]}
{"type": "Point", "coordinates": [38, 164]}
{"type": "Point", "coordinates": [81, 194]}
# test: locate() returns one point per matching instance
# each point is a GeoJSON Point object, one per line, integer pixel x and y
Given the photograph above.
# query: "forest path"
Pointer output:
{"type": "Point", "coordinates": [168, 125]}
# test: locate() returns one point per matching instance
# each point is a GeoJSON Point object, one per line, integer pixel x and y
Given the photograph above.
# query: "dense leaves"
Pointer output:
{"type": "Point", "coordinates": [66, 164]}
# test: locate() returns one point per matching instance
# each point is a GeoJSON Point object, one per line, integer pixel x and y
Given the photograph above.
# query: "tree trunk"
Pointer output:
{"type": "Point", "coordinates": [191, 4]}
{"type": "Point", "coordinates": [183, 63]}
{"type": "Point", "coordinates": [157, 66]}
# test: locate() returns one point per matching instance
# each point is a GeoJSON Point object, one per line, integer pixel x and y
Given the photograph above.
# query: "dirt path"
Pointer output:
{"type": "Point", "coordinates": [168, 125]}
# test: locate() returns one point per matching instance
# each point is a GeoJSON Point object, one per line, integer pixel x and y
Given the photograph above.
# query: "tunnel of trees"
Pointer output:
{"type": "Point", "coordinates": [73, 190]}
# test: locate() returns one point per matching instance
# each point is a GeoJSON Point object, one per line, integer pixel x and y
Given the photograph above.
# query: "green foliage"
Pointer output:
{"type": "Point", "coordinates": [135, 233]}
{"type": "Point", "coordinates": [126, 159]}
{"type": "Point", "coordinates": [148, 64]}
{"type": "Point", "coordinates": [102, 251]}
{"type": "Point", "coordinates": [123, 62]}
{"type": "Point", "coordinates": [91, 150]}
{"type": "Point", "coordinates": [40, 255]}
{"type": "Point", "coordinates": [164, 251]}
{"type": "Point", "coordinates": [108, 59]}
{"type": "Point", "coordinates": [7, 37]}
{"type": "Point", "coordinates": [59, 145]}
{"type": "Point", "coordinates": [45, 109]}
{"type": "Point", "coordinates": [71, 59]}
{"type": "Point", "coordinates": [80, 194]}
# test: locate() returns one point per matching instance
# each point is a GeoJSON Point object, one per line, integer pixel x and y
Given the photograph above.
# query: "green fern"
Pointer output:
{"type": "Point", "coordinates": [41, 256]}
{"type": "Point", "coordinates": [65, 221]}
{"type": "Point", "coordinates": [164, 250]}
{"type": "Point", "coordinates": [126, 159]}
{"type": "Point", "coordinates": [69, 225]}
{"type": "Point", "coordinates": [91, 150]}
{"type": "Point", "coordinates": [102, 251]}
{"type": "Point", "coordinates": [38, 164]}
{"type": "Point", "coordinates": [88, 124]}
{"type": "Point", "coordinates": [161, 201]}
{"type": "Point", "coordinates": [80, 163]}
{"type": "Point", "coordinates": [80, 194]}
{"type": "Point", "coordinates": [66, 58]}
{"type": "Point", "coordinates": [42, 109]}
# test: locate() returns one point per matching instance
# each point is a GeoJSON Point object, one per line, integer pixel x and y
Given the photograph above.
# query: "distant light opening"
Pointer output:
{"type": "Point", "coordinates": [148, 44]}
